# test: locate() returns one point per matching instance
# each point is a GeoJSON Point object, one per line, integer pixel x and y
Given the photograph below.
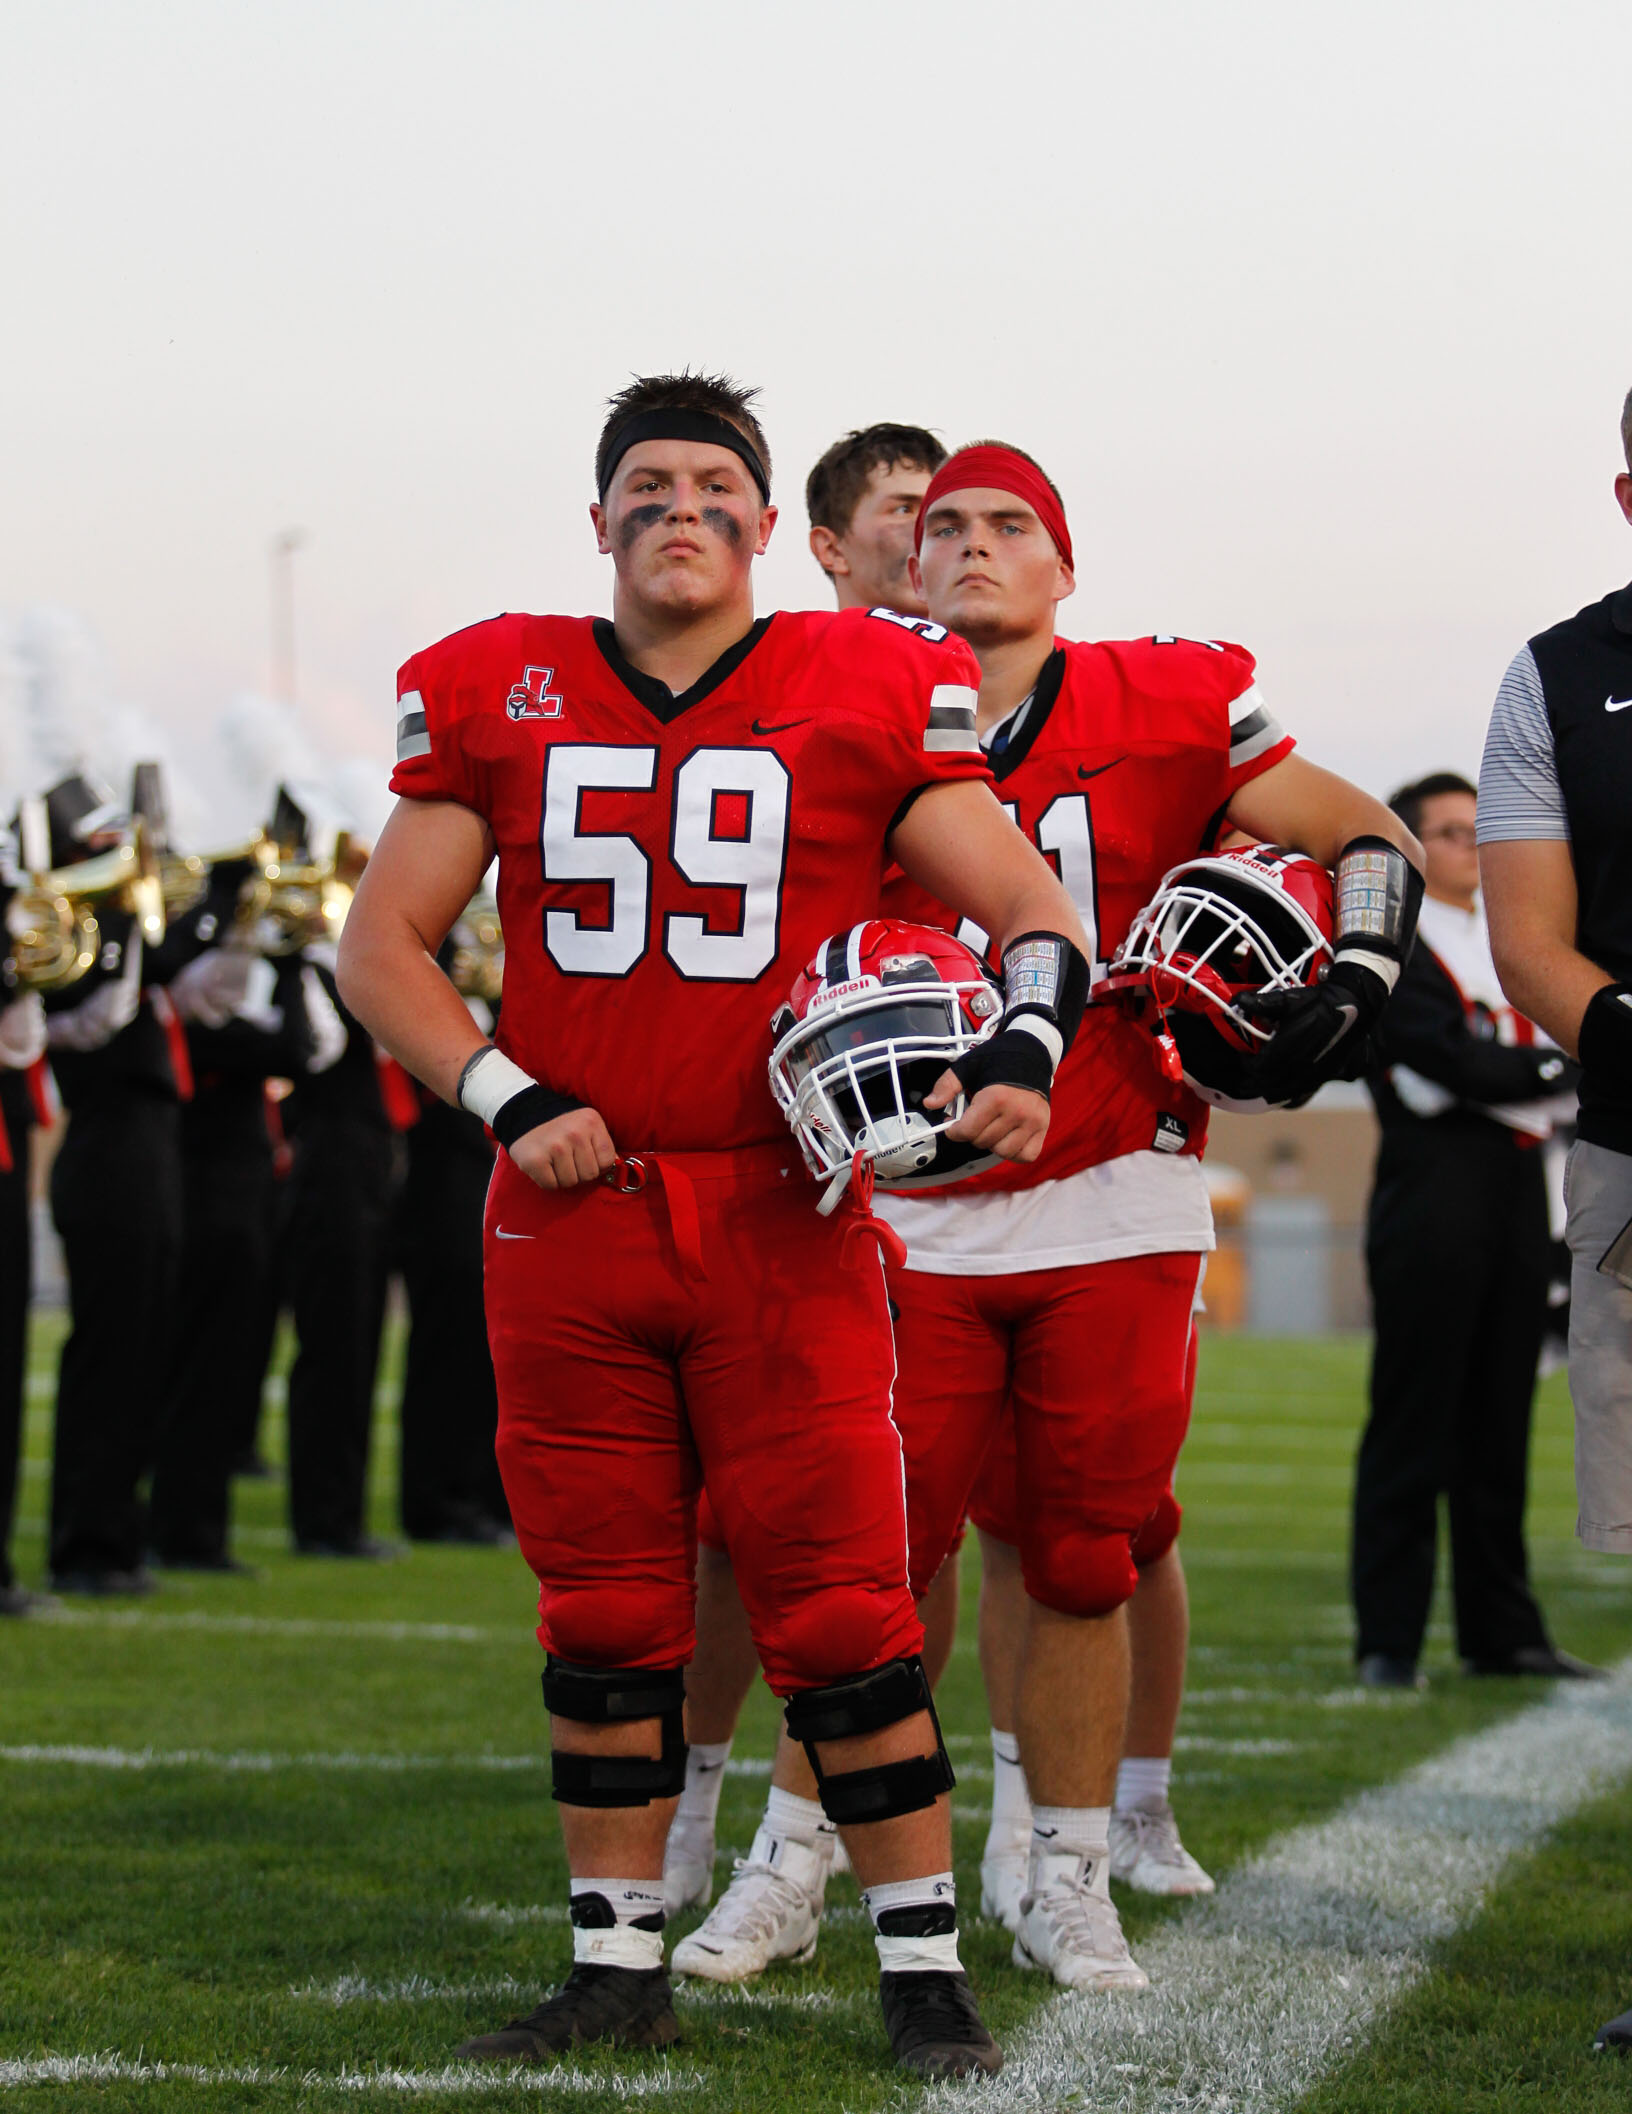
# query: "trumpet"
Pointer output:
{"type": "Point", "coordinates": [477, 967]}
{"type": "Point", "coordinates": [51, 923]}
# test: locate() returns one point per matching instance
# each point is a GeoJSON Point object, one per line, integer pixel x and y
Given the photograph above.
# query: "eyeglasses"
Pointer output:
{"type": "Point", "coordinates": [1462, 833]}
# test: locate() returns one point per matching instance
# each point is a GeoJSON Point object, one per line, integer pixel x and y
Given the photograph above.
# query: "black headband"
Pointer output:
{"type": "Point", "coordinates": [684, 425]}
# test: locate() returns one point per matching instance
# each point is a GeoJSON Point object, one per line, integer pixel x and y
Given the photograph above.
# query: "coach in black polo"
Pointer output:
{"type": "Point", "coordinates": [1555, 837]}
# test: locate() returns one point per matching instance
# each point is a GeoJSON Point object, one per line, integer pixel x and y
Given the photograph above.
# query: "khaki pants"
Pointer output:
{"type": "Point", "coordinates": [1598, 1193]}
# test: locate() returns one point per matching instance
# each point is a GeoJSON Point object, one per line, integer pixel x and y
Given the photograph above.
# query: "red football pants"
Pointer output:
{"type": "Point", "coordinates": [713, 1326]}
{"type": "Point", "coordinates": [1090, 1364]}
{"type": "Point", "coordinates": [995, 1505]}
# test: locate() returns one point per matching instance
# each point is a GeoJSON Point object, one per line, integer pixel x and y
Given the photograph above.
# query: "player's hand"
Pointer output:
{"type": "Point", "coordinates": [566, 1151]}
{"type": "Point", "coordinates": [1011, 1121]}
{"type": "Point", "coordinates": [1321, 1032]}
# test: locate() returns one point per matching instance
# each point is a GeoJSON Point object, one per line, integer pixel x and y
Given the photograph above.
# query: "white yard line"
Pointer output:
{"type": "Point", "coordinates": [1304, 1948]}
{"type": "Point", "coordinates": [456, 2078]}
{"type": "Point", "coordinates": [281, 1626]}
{"type": "Point", "coordinates": [689, 1995]}
{"type": "Point", "coordinates": [256, 1763]}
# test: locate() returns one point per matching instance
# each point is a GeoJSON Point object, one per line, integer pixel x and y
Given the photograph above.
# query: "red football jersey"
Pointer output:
{"type": "Point", "coordinates": [1124, 759]}
{"type": "Point", "coordinates": [667, 865]}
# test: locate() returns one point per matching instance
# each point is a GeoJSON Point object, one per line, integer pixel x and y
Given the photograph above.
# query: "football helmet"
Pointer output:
{"type": "Point", "coordinates": [870, 1025]}
{"type": "Point", "coordinates": [1219, 931]}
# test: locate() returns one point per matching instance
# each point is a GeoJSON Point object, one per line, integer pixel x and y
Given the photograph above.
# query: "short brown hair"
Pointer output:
{"type": "Point", "coordinates": [1409, 802]}
{"type": "Point", "coordinates": [834, 489]}
{"type": "Point", "coordinates": [1626, 429]}
{"type": "Point", "coordinates": [719, 393]}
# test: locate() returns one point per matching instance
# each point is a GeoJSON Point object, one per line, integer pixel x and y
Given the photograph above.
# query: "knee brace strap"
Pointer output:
{"type": "Point", "coordinates": [885, 1791]}
{"type": "Point", "coordinates": [600, 1695]}
{"type": "Point", "coordinates": [868, 1703]}
{"type": "Point", "coordinates": [860, 1703]}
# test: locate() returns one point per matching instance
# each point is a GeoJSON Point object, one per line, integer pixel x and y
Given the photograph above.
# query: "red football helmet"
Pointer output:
{"type": "Point", "coordinates": [1217, 930]}
{"type": "Point", "coordinates": [870, 1025]}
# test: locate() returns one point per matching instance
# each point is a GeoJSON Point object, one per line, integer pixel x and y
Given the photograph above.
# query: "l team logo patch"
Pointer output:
{"type": "Point", "coordinates": [531, 698]}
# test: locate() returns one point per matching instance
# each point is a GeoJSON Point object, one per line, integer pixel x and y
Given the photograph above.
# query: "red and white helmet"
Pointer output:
{"type": "Point", "coordinates": [870, 1025]}
{"type": "Point", "coordinates": [1220, 929]}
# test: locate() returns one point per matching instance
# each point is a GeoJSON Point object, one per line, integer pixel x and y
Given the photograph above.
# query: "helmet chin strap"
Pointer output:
{"type": "Point", "coordinates": [857, 1168]}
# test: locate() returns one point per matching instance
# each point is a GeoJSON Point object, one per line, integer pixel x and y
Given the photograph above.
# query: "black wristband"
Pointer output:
{"type": "Point", "coordinates": [1011, 1057]}
{"type": "Point", "coordinates": [525, 1111]}
{"type": "Point", "coordinates": [1605, 1040]}
{"type": "Point", "coordinates": [1044, 973]}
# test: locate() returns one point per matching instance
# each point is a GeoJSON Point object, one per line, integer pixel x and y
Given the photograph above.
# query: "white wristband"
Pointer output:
{"type": "Point", "coordinates": [1383, 965]}
{"type": "Point", "coordinates": [489, 1081]}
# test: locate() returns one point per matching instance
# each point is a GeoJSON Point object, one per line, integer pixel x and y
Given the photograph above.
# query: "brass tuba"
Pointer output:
{"type": "Point", "coordinates": [51, 923]}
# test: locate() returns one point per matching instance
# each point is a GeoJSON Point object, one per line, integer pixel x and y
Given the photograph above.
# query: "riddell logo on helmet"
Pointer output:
{"type": "Point", "coordinates": [858, 983]}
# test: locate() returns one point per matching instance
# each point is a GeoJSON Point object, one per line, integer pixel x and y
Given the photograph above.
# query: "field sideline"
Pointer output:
{"type": "Point", "coordinates": [281, 1843]}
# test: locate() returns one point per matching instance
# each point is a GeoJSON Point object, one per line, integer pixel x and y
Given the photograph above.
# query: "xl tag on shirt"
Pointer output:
{"type": "Point", "coordinates": [1172, 1134]}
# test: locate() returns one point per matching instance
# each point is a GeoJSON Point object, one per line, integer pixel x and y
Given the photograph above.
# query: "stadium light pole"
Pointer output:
{"type": "Point", "coordinates": [284, 546]}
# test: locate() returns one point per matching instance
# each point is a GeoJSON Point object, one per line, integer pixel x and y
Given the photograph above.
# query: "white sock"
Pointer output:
{"type": "Point", "coordinates": [802, 1819]}
{"type": "Point", "coordinates": [1068, 1844]}
{"type": "Point", "coordinates": [1011, 1802]}
{"type": "Point", "coordinates": [916, 1924]}
{"type": "Point", "coordinates": [618, 1922]}
{"type": "Point", "coordinates": [705, 1778]}
{"type": "Point", "coordinates": [1142, 1778]}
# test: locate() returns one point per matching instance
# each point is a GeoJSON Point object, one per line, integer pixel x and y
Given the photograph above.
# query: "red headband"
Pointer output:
{"type": "Point", "coordinates": [1000, 470]}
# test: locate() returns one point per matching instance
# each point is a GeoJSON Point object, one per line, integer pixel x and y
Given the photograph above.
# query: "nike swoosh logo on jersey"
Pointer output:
{"type": "Point", "coordinates": [781, 727]}
{"type": "Point", "coordinates": [500, 1234]}
{"type": "Point", "coordinates": [1084, 772]}
{"type": "Point", "coordinates": [1617, 704]}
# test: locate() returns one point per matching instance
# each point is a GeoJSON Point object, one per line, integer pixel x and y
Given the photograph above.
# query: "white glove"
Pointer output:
{"type": "Point", "coordinates": [95, 1021]}
{"type": "Point", "coordinates": [212, 987]}
{"type": "Point", "coordinates": [323, 1018]}
{"type": "Point", "coordinates": [22, 1031]}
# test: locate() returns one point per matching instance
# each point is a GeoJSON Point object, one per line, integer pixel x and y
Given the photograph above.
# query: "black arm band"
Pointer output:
{"type": "Point", "coordinates": [1379, 893]}
{"type": "Point", "coordinates": [1605, 1040]}
{"type": "Point", "coordinates": [525, 1111]}
{"type": "Point", "coordinates": [1045, 977]}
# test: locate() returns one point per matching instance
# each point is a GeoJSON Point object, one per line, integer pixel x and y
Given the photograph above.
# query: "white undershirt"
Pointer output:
{"type": "Point", "coordinates": [1145, 1203]}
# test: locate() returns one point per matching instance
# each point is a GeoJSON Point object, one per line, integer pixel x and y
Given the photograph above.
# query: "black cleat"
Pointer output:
{"type": "Point", "coordinates": [935, 2026]}
{"type": "Point", "coordinates": [1544, 1662]}
{"type": "Point", "coordinates": [632, 2007]}
{"type": "Point", "coordinates": [1378, 1670]}
{"type": "Point", "coordinates": [1616, 2037]}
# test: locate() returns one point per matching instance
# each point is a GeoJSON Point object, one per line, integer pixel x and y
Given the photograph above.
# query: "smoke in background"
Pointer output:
{"type": "Point", "coordinates": [61, 710]}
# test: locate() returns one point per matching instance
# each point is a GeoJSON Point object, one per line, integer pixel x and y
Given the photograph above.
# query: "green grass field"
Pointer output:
{"type": "Point", "coordinates": [339, 1855]}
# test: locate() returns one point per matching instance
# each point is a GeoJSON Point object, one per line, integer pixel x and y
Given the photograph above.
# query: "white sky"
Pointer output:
{"type": "Point", "coordinates": [1320, 316]}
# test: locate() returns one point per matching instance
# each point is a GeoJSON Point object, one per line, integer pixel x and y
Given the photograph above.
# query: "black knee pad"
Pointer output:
{"type": "Point", "coordinates": [617, 1695]}
{"type": "Point", "coordinates": [868, 1703]}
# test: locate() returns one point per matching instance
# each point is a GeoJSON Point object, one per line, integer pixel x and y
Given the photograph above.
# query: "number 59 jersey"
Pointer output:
{"type": "Point", "coordinates": [668, 864]}
{"type": "Point", "coordinates": [1125, 757]}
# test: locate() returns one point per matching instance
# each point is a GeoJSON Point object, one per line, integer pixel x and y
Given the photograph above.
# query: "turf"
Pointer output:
{"type": "Point", "coordinates": [301, 1921]}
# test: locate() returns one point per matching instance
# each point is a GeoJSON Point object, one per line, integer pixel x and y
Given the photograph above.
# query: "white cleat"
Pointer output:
{"type": "Point", "coordinates": [688, 1867]}
{"type": "Point", "coordinates": [841, 1860]}
{"type": "Point", "coordinates": [1069, 1927]}
{"type": "Point", "coordinates": [1146, 1852]}
{"type": "Point", "coordinates": [1002, 1882]}
{"type": "Point", "coordinates": [772, 1910]}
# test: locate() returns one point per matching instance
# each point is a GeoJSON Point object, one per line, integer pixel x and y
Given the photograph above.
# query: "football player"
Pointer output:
{"type": "Point", "coordinates": [684, 802]}
{"type": "Point", "coordinates": [862, 498]}
{"type": "Point", "coordinates": [1060, 1293]}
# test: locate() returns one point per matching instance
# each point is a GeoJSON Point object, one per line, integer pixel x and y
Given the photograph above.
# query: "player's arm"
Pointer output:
{"type": "Point", "coordinates": [425, 869]}
{"type": "Point", "coordinates": [1530, 906]}
{"type": "Point", "coordinates": [1321, 1031]}
{"type": "Point", "coordinates": [956, 842]}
